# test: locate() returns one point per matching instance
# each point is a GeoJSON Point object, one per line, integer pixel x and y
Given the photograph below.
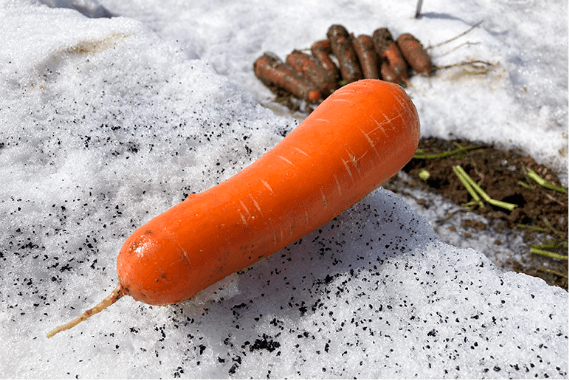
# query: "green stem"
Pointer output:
{"type": "Point", "coordinates": [486, 197]}
{"type": "Point", "coordinates": [419, 153]}
{"type": "Point", "coordinates": [459, 173]}
{"type": "Point", "coordinates": [552, 272]}
{"type": "Point", "coordinates": [550, 246]}
{"type": "Point", "coordinates": [521, 183]}
{"type": "Point", "coordinates": [549, 254]}
{"type": "Point", "coordinates": [543, 183]}
{"type": "Point", "coordinates": [535, 228]}
{"type": "Point", "coordinates": [472, 203]}
{"type": "Point", "coordinates": [548, 224]}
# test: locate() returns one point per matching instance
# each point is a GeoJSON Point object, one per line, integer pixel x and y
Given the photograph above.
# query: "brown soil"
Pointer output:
{"type": "Point", "coordinates": [498, 172]}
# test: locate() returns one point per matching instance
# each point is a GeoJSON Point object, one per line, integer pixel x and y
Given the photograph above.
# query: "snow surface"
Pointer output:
{"type": "Point", "coordinates": [106, 122]}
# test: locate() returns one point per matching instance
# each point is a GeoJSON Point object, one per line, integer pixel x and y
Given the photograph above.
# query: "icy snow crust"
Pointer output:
{"type": "Point", "coordinates": [104, 124]}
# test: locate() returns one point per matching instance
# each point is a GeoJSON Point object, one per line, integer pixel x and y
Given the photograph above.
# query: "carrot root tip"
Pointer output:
{"type": "Point", "coordinates": [108, 301]}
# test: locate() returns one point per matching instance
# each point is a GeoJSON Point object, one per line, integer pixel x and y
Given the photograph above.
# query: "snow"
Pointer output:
{"type": "Point", "coordinates": [106, 122]}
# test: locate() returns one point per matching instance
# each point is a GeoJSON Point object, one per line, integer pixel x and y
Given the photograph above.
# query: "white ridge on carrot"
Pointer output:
{"type": "Point", "coordinates": [351, 143]}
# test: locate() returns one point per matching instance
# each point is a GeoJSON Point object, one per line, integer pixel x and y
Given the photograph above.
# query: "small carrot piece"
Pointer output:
{"type": "Point", "coordinates": [388, 50]}
{"type": "Point", "coordinates": [387, 73]}
{"type": "Point", "coordinates": [365, 50]}
{"type": "Point", "coordinates": [272, 71]}
{"type": "Point", "coordinates": [313, 71]}
{"type": "Point", "coordinates": [355, 140]}
{"type": "Point", "coordinates": [414, 54]}
{"type": "Point", "coordinates": [342, 48]}
{"type": "Point", "coordinates": [321, 52]}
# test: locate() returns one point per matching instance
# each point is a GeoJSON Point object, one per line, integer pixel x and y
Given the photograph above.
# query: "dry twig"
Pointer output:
{"type": "Point", "coordinates": [460, 35]}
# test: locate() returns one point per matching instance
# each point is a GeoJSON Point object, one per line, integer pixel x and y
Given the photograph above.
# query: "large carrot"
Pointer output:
{"type": "Point", "coordinates": [414, 54]}
{"type": "Point", "coordinates": [365, 50]}
{"type": "Point", "coordinates": [341, 45]}
{"type": "Point", "coordinates": [355, 140]}
{"type": "Point", "coordinates": [313, 71]}
{"type": "Point", "coordinates": [272, 71]}
{"type": "Point", "coordinates": [388, 50]}
{"type": "Point", "coordinates": [321, 51]}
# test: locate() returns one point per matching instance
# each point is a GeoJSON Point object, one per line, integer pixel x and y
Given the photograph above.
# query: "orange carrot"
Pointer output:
{"type": "Point", "coordinates": [388, 50]}
{"type": "Point", "coordinates": [313, 71]}
{"type": "Point", "coordinates": [414, 53]}
{"type": "Point", "coordinates": [273, 72]}
{"type": "Point", "coordinates": [365, 50]}
{"type": "Point", "coordinates": [321, 52]}
{"type": "Point", "coordinates": [342, 48]}
{"type": "Point", "coordinates": [355, 140]}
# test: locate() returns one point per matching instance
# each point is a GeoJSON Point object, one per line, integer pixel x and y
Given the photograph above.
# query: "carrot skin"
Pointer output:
{"type": "Point", "coordinates": [272, 71]}
{"type": "Point", "coordinates": [342, 48]}
{"type": "Point", "coordinates": [414, 54]}
{"type": "Point", "coordinates": [313, 71]}
{"type": "Point", "coordinates": [388, 50]}
{"type": "Point", "coordinates": [350, 144]}
{"type": "Point", "coordinates": [365, 50]}
{"type": "Point", "coordinates": [321, 51]}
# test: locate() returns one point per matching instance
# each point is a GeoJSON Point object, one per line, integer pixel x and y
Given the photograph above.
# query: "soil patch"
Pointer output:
{"type": "Point", "coordinates": [503, 176]}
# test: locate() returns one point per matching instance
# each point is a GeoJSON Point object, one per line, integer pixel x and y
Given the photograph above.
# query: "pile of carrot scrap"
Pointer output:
{"type": "Point", "coordinates": [340, 59]}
